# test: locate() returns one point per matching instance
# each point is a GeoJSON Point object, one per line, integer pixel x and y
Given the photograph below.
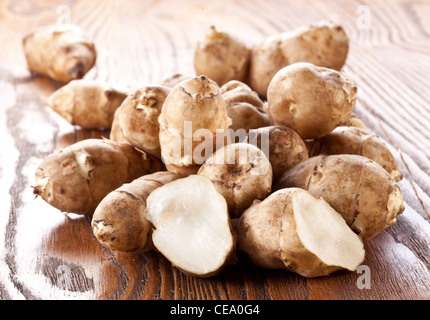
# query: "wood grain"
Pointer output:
{"type": "Point", "coordinates": [46, 254]}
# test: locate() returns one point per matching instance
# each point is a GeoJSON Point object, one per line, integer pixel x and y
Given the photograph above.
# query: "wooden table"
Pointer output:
{"type": "Point", "coordinates": [46, 254]}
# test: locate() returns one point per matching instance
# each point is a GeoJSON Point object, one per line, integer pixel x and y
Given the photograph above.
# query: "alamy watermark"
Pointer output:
{"type": "Point", "coordinates": [364, 20]}
{"type": "Point", "coordinates": [64, 14]}
{"type": "Point", "coordinates": [195, 146]}
{"type": "Point", "coordinates": [64, 277]}
{"type": "Point", "coordinates": [363, 281]}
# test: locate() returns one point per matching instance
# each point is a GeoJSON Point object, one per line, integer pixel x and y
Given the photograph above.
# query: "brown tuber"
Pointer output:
{"type": "Point", "coordinates": [138, 118]}
{"type": "Point", "coordinates": [352, 140]}
{"type": "Point", "coordinates": [193, 115]}
{"type": "Point", "coordinates": [282, 145]}
{"type": "Point", "coordinates": [358, 188]}
{"type": "Point", "coordinates": [62, 52]}
{"type": "Point", "coordinates": [324, 44]}
{"type": "Point", "coordinates": [115, 133]}
{"type": "Point", "coordinates": [221, 57]}
{"type": "Point", "coordinates": [119, 221]}
{"type": "Point", "coordinates": [311, 100]}
{"type": "Point", "coordinates": [89, 104]}
{"type": "Point", "coordinates": [355, 121]}
{"type": "Point", "coordinates": [293, 230]}
{"type": "Point", "coordinates": [76, 178]}
{"type": "Point", "coordinates": [244, 106]}
{"type": "Point", "coordinates": [174, 79]}
{"type": "Point", "coordinates": [241, 173]}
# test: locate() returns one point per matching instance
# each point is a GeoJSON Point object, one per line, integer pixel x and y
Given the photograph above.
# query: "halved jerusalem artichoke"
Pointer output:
{"type": "Point", "coordinates": [357, 187]}
{"type": "Point", "coordinates": [293, 230]}
{"type": "Point", "coordinates": [119, 221]}
{"type": "Point", "coordinates": [191, 225]}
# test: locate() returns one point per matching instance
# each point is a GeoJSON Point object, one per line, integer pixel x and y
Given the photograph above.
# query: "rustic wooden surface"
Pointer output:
{"type": "Point", "coordinates": [45, 254]}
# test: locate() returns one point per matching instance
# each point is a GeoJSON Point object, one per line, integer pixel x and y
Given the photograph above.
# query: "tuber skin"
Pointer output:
{"type": "Point", "coordinates": [62, 52]}
{"type": "Point", "coordinates": [352, 140]}
{"type": "Point", "coordinates": [138, 118]}
{"type": "Point", "coordinates": [115, 133]}
{"type": "Point", "coordinates": [355, 121]}
{"type": "Point", "coordinates": [89, 104]}
{"type": "Point", "coordinates": [285, 148]}
{"type": "Point", "coordinates": [363, 192]}
{"type": "Point", "coordinates": [324, 44]}
{"type": "Point", "coordinates": [174, 79]}
{"type": "Point", "coordinates": [292, 230]}
{"type": "Point", "coordinates": [221, 57]}
{"type": "Point", "coordinates": [244, 106]}
{"type": "Point", "coordinates": [241, 173]}
{"type": "Point", "coordinates": [311, 100]}
{"type": "Point", "coordinates": [198, 103]}
{"type": "Point", "coordinates": [119, 221]}
{"type": "Point", "coordinates": [76, 178]}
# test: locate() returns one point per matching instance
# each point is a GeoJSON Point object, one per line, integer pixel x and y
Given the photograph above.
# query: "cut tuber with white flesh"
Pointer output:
{"type": "Point", "coordinates": [293, 230]}
{"type": "Point", "coordinates": [191, 225]}
{"type": "Point", "coordinates": [119, 220]}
